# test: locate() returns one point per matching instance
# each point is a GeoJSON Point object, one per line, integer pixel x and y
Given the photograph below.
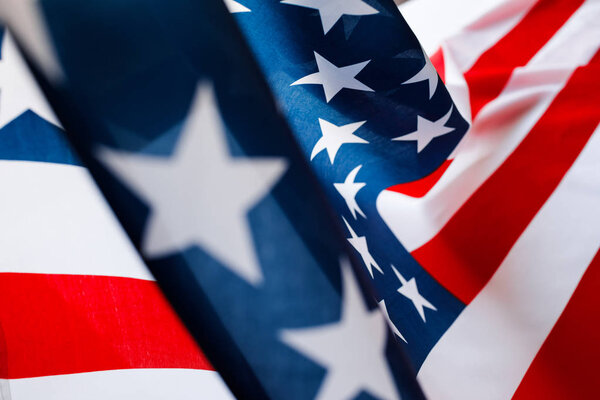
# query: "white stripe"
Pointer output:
{"type": "Point", "coordinates": [4, 389]}
{"type": "Point", "coordinates": [573, 39]}
{"type": "Point", "coordinates": [498, 130]}
{"type": "Point", "coordinates": [54, 220]}
{"type": "Point", "coordinates": [493, 20]}
{"type": "Point", "coordinates": [449, 17]}
{"type": "Point", "coordinates": [467, 46]}
{"type": "Point", "coordinates": [127, 384]}
{"type": "Point", "coordinates": [488, 349]}
{"type": "Point", "coordinates": [457, 85]}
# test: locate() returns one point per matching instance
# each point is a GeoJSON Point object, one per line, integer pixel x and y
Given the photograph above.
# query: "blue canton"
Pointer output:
{"type": "Point", "coordinates": [369, 112]}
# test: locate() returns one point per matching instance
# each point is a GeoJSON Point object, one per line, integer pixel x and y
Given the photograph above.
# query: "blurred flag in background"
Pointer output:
{"type": "Point", "coordinates": [80, 315]}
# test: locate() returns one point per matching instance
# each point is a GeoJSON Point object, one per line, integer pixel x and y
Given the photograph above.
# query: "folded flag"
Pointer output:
{"type": "Point", "coordinates": [512, 227]}
{"type": "Point", "coordinates": [474, 251]}
{"type": "Point", "coordinates": [80, 315]}
{"type": "Point", "coordinates": [165, 105]}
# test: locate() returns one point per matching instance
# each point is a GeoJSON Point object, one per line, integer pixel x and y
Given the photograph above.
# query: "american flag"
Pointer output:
{"type": "Point", "coordinates": [510, 226]}
{"type": "Point", "coordinates": [177, 126]}
{"type": "Point", "coordinates": [80, 315]}
{"type": "Point", "coordinates": [482, 256]}
{"type": "Point", "coordinates": [383, 119]}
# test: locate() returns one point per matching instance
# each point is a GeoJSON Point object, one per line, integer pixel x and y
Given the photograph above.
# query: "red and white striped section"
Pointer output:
{"type": "Point", "coordinates": [80, 316]}
{"type": "Point", "coordinates": [495, 339]}
{"type": "Point", "coordinates": [55, 221]}
{"type": "Point", "coordinates": [510, 225]}
{"type": "Point", "coordinates": [450, 18]}
{"type": "Point", "coordinates": [60, 324]}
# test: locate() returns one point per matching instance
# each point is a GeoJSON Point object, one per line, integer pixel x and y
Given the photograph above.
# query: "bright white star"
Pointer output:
{"type": "Point", "coordinates": [386, 314]}
{"type": "Point", "coordinates": [334, 78]}
{"type": "Point", "coordinates": [360, 244]}
{"type": "Point", "coordinates": [427, 131]}
{"type": "Point", "coordinates": [348, 191]}
{"type": "Point", "coordinates": [427, 73]}
{"type": "Point", "coordinates": [410, 290]}
{"type": "Point", "coordinates": [334, 137]}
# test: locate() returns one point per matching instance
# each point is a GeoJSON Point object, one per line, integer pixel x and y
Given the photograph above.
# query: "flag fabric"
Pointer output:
{"type": "Point", "coordinates": [450, 18]}
{"type": "Point", "coordinates": [492, 247]}
{"type": "Point", "coordinates": [482, 257]}
{"type": "Point", "coordinates": [164, 103]}
{"type": "Point", "coordinates": [80, 315]}
{"type": "Point", "coordinates": [370, 113]}
{"type": "Point", "coordinates": [511, 227]}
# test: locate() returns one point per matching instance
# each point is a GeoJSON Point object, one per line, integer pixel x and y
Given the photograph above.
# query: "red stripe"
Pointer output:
{"type": "Point", "coordinates": [566, 367]}
{"type": "Point", "coordinates": [488, 76]}
{"type": "Point", "coordinates": [467, 251]}
{"type": "Point", "coordinates": [61, 324]}
{"type": "Point", "coordinates": [422, 186]}
{"type": "Point", "coordinates": [437, 59]}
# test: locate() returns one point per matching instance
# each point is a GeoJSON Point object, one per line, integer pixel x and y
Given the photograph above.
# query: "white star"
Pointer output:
{"type": "Point", "coordinates": [389, 320]}
{"type": "Point", "coordinates": [200, 195]}
{"type": "Point", "coordinates": [235, 7]}
{"type": "Point", "coordinates": [351, 349]}
{"type": "Point", "coordinates": [26, 20]}
{"type": "Point", "coordinates": [349, 189]}
{"type": "Point", "coordinates": [18, 89]}
{"type": "Point", "coordinates": [427, 73]}
{"type": "Point", "coordinates": [360, 245]}
{"type": "Point", "coordinates": [335, 136]}
{"type": "Point", "coordinates": [427, 131]}
{"type": "Point", "coordinates": [332, 10]}
{"type": "Point", "coordinates": [333, 78]}
{"type": "Point", "coordinates": [410, 291]}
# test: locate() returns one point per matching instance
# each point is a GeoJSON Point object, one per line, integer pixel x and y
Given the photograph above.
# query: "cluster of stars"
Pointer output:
{"type": "Point", "coordinates": [315, 342]}
{"type": "Point", "coordinates": [335, 79]}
